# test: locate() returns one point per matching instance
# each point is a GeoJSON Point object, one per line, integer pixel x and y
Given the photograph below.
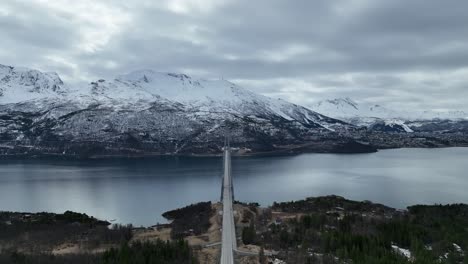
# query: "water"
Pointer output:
{"type": "Point", "coordinates": [138, 191]}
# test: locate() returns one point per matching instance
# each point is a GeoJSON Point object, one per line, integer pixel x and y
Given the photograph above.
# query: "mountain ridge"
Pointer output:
{"type": "Point", "coordinates": [152, 113]}
{"type": "Point", "coordinates": [347, 108]}
{"type": "Point", "coordinates": [388, 128]}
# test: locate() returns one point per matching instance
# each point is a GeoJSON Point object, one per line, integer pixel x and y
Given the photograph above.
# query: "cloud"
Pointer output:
{"type": "Point", "coordinates": [399, 53]}
{"type": "Point", "coordinates": [193, 6]}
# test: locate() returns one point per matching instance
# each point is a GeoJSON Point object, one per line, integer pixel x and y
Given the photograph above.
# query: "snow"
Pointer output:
{"type": "Point", "coordinates": [404, 252]}
{"type": "Point", "coordinates": [369, 115]}
{"type": "Point", "coordinates": [200, 95]}
{"type": "Point", "coordinates": [143, 89]}
{"type": "Point", "coordinates": [19, 84]}
{"type": "Point", "coordinates": [347, 108]}
{"type": "Point", "coordinates": [278, 261]}
{"type": "Point", "coordinates": [401, 123]}
{"type": "Point", "coordinates": [140, 89]}
{"type": "Point", "coordinates": [458, 248]}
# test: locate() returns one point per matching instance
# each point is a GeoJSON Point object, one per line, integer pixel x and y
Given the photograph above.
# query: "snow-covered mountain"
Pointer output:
{"type": "Point", "coordinates": [380, 118]}
{"type": "Point", "coordinates": [198, 96]}
{"type": "Point", "coordinates": [22, 84]}
{"type": "Point", "coordinates": [346, 108]}
{"type": "Point", "coordinates": [147, 112]}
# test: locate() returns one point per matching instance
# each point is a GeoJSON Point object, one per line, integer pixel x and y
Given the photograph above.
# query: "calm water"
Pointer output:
{"type": "Point", "coordinates": [138, 191]}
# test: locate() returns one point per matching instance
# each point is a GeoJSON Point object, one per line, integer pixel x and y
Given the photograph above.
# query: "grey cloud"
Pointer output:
{"type": "Point", "coordinates": [29, 25]}
{"type": "Point", "coordinates": [387, 51]}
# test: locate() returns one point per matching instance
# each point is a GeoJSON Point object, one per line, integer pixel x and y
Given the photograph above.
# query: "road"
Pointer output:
{"type": "Point", "coordinates": [229, 243]}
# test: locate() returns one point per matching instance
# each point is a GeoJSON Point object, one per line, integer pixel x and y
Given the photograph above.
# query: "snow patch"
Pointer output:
{"type": "Point", "coordinates": [404, 252]}
{"type": "Point", "coordinates": [346, 108]}
{"type": "Point", "coordinates": [395, 122]}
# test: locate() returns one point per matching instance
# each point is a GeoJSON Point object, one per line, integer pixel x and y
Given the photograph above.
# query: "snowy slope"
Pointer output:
{"type": "Point", "coordinates": [141, 88]}
{"type": "Point", "coordinates": [390, 125]}
{"type": "Point", "coordinates": [346, 108]}
{"type": "Point", "coordinates": [198, 95]}
{"type": "Point", "coordinates": [153, 112]}
{"type": "Point", "coordinates": [22, 84]}
{"type": "Point", "coordinates": [382, 119]}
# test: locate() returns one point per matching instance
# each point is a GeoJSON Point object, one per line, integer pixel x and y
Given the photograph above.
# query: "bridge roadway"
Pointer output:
{"type": "Point", "coordinates": [229, 242]}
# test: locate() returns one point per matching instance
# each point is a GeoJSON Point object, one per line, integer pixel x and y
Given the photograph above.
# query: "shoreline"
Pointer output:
{"type": "Point", "coordinates": [318, 223]}
{"type": "Point", "coordinates": [114, 221]}
{"type": "Point", "coordinates": [280, 153]}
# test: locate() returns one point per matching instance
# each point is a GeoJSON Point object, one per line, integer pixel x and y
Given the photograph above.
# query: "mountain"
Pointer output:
{"type": "Point", "coordinates": [21, 84]}
{"type": "Point", "coordinates": [346, 108]}
{"type": "Point", "coordinates": [375, 116]}
{"type": "Point", "coordinates": [388, 128]}
{"type": "Point", "coordinates": [153, 113]}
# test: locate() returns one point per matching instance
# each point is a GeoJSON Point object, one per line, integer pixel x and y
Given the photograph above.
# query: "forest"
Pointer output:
{"type": "Point", "coordinates": [27, 238]}
{"type": "Point", "coordinates": [335, 230]}
{"type": "Point", "coordinates": [175, 252]}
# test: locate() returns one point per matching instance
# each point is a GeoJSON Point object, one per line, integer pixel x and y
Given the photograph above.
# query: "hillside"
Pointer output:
{"type": "Point", "coordinates": [153, 113]}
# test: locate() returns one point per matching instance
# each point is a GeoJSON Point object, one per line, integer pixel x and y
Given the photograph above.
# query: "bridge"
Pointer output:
{"type": "Point", "coordinates": [228, 238]}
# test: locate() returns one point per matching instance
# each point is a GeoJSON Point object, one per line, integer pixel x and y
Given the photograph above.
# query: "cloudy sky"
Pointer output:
{"type": "Point", "coordinates": [403, 54]}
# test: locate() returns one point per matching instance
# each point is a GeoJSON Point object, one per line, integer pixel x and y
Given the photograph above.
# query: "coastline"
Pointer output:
{"type": "Point", "coordinates": [286, 152]}
{"type": "Point", "coordinates": [259, 229]}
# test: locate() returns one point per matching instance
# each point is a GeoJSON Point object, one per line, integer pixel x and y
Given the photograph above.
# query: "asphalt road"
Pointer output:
{"type": "Point", "coordinates": [229, 243]}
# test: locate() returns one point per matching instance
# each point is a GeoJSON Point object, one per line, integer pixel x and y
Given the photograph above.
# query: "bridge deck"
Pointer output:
{"type": "Point", "coordinates": [229, 243]}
